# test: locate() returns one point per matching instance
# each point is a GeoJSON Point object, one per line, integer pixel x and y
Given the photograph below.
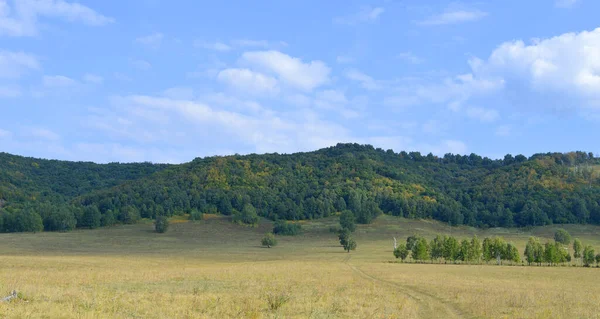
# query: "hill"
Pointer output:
{"type": "Point", "coordinates": [457, 189]}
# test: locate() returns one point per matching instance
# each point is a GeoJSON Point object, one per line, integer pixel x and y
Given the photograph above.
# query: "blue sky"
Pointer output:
{"type": "Point", "coordinates": [168, 81]}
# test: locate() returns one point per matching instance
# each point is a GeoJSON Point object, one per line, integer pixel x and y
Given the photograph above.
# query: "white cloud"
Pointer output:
{"type": "Point", "coordinates": [141, 65]}
{"type": "Point", "coordinates": [249, 81]}
{"type": "Point", "coordinates": [93, 79]}
{"type": "Point", "coordinates": [217, 46]}
{"type": "Point", "coordinates": [454, 17]}
{"type": "Point", "coordinates": [57, 81]}
{"type": "Point", "coordinates": [482, 114]}
{"type": "Point", "coordinates": [153, 40]}
{"type": "Point", "coordinates": [22, 18]}
{"type": "Point", "coordinates": [181, 93]}
{"type": "Point", "coordinates": [15, 64]}
{"type": "Point", "coordinates": [366, 14]}
{"type": "Point", "coordinates": [10, 91]}
{"type": "Point", "coordinates": [366, 81]}
{"type": "Point", "coordinates": [567, 65]}
{"type": "Point", "coordinates": [333, 100]}
{"type": "Point", "coordinates": [290, 70]}
{"type": "Point", "coordinates": [410, 58]}
{"type": "Point", "coordinates": [565, 3]}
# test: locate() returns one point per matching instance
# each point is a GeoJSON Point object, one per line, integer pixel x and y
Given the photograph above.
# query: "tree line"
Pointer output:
{"type": "Point", "coordinates": [514, 191]}
{"type": "Point", "coordinates": [448, 249]}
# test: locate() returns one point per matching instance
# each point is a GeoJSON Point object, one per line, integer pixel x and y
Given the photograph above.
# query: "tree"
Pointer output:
{"type": "Point", "coordinates": [475, 249]}
{"type": "Point", "coordinates": [350, 245]}
{"type": "Point", "coordinates": [451, 249]}
{"type": "Point", "coordinates": [61, 220]}
{"type": "Point", "coordinates": [269, 240]}
{"type": "Point", "coordinates": [597, 260]}
{"type": "Point", "coordinates": [562, 236]}
{"type": "Point", "coordinates": [91, 217]}
{"type": "Point", "coordinates": [348, 221]}
{"type": "Point", "coordinates": [108, 218]}
{"type": "Point", "coordinates": [411, 241]}
{"type": "Point", "coordinates": [512, 253]}
{"type": "Point", "coordinates": [420, 249]}
{"type": "Point", "coordinates": [343, 236]}
{"type": "Point", "coordinates": [530, 250]}
{"type": "Point", "coordinates": [161, 224]}
{"type": "Point", "coordinates": [463, 252]}
{"type": "Point", "coordinates": [247, 216]}
{"type": "Point", "coordinates": [287, 229]}
{"type": "Point", "coordinates": [588, 256]}
{"type": "Point", "coordinates": [401, 251]}
{"type": "Point", "coordinates": [577, 248]}
{"type": "Point", "coordinates": [436, 247]}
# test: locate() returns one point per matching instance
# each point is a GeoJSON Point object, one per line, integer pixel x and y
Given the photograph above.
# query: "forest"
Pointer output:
{"type": "Point", "coordinates": [515, 191]}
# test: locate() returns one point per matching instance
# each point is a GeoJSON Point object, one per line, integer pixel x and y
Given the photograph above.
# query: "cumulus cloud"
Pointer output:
{"type": "Point", "coordinates": [93, 79]}
{"type": "Point", "coordinates": [482, 114]}
{"type": "Point", "coordinates": [336, 101]}
{"type": "Point", "coordinates": [453, 17]}
{"type": "Point", "coordinates": [249, 81]}
{"type": "Point", "coordinates": [141, 65]}
{"type": "Point", "coordinates": [41, 133]}
{"type": "Point", "coordinates": [292, 71]}
{"type": "Point", "coordinates": [57, 81]}
{"type": "Point", "coordinates": [366, 14]}
{"type": "Point", "coordinates": [216, 46]}
{"type": "Point", "coordinates": [22, 18]}
{"type": "Point", "coordinates": [15, 64]}
{"type": "Point", "coordinates": [410, 58]}
{"type": "Point", "coordinates": [10, 91]}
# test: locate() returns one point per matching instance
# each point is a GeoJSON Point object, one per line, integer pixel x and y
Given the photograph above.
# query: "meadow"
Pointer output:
{"type": "Point", "coordinates": [216, 269]}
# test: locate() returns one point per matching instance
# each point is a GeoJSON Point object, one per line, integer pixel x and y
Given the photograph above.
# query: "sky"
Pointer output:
{"type": "Point", "coordinates": [169, 81]}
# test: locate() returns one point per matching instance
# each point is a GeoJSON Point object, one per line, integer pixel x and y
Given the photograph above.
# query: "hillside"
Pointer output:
{"type": "Point", "coordinates": [515, 191]}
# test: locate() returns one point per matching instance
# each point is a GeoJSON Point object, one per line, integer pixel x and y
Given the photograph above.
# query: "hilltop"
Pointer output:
{"type": "Point", "coordinates": [457, 189]}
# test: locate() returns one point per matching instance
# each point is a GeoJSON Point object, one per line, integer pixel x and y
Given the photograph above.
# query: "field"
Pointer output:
{"type": "Point", "coordinates": [215, 269]}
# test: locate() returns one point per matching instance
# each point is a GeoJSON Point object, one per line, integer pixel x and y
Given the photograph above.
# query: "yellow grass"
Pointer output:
{"type": "Point", "coordinates": [214, 269]}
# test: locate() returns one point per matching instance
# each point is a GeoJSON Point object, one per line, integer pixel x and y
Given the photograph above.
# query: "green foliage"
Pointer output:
{"type": "Point", "coordinates": [161, 224]}
{"type": "Point", "coordinates": [588, 256]}
{"type": "Point", "coordinates": [23, 220]}
{"type": "Point", "coordinates": [420, 249]}
{"type": "Point", "coordinates": [287, 229]}
{"type": "Point", "coordinates": [60, 220]}
{"type": "Point", "coordinates": [195, 214]}
{"type": "Point", "coordinates": [534, 252]}
{"type": "Point", "coordinates": [401, 251]}
{"type": "Point", "coordinates": [269, 240]}
{"type": "Point", "coordinates": [451, 249]}
{"type": "Point", "coordinates": [108, 219]}
{"type": "Point", "coordinates": [350, 245]}
{"type": "Point", "coordinates": [457, 189]}
{"type": "Point", "coordinates": [91, 218]}
{"type": "Point", "coordinates": [247, 216]}
{"type": "Point", "coordinates": [343, 236]}
{"type": "Point", "coordinates": [577, 248]}
{"type": "Point", "coordinates": [597, 259]}
{"type": "Point", "coordinates": [348, 221]}
{"type": "Point", "coordinates": [562, 236]}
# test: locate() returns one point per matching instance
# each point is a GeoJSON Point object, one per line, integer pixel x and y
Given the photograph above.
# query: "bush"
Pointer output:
{"type": "Point", "coordinates": [286, 229]}
{"type": "Point", "coordinates": [108, 219]}
{"type": "Point", "coordinates": [247, 216]}
{"type": "Point", "coordinates": [60, 220]}
{"type": "Point", "coordinates": [562, 236]}
{"type": "Point", "coordinates": [269, 240]}
{"type": "Point", "coordinates": [196, 215]}
{"type": "Point", "coordinates": [161, 224]}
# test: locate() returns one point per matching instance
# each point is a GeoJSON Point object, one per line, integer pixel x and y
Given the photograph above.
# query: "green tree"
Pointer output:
{"type": "Point", "coordinates": [420, 249]}
{"type": "Point", "coordinates": [195, 214]}
{"type": "Point", "coordinates": [511, 253]}
{"type": "Point", "coordinates": [463, 252]}
{"type": "Point", "coordinates": [577, 249]}
{"type": "Point", "coordinates": [562, 236]}
{"type": "Point", "coordinates": [91, 217]}
{"type": "Point", "coordinates": [269, 240]}
{"type": "Point", "coordinates": [61, 219]}
{"type": "Point", "coordinates": [247, 216]}
{"type": "Point", "coordinates": [597, 260]}
{"type": "Point", "coordinates": [343, 236]}
{"type": "Point", "coordinates": [530, 252]}
{"type": "Point", "coordinates": [350, 245]}
{"type": "Point", "coordinates": [161, 224]}
{"type": "Point", "coordinates": [588, 256]}
{"type": "Point", "coordinates": [348, 221]}
{"type": "Point", "coordinates": [436, 247]}
{"type": "Point", "coordinates": [451, 249]}
{"type": "Point", "coordinates": [475, 249]}
{"type": "Point", "coordinates": [401, 251]}
{"type": "Point", "coordinates": [411, 241]}
{"type": "Point", "coordinates": [108, 218]}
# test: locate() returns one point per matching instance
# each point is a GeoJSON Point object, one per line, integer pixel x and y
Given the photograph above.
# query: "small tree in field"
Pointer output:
{"type": "Point", "coordinates": [597, 260]}
{"type": "Point", "coordinates": [562, 236]}
{"type": "Point", "coordinates": [577, 248]}
{"type": "Point", "coordinates": [269, 240]}
{"type": "Point", "coordinates": [161, 224]}
{"type": "Point", "coordinates": [350, 245]}
{"type": "Point", "coordinates": [588, 256]}
{"type": "Point", "coordinates": [348, 221]}
{"type": "Point", "coordinates": [343, 236]}
{"type": "Point", "coordinates": [401, 252]}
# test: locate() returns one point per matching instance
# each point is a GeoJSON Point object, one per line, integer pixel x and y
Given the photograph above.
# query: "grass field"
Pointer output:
{"type": "Point", "coordinates": [215, 269]}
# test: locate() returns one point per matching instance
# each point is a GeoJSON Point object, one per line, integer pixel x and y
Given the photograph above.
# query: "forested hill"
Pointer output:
{"type": "Point", "coordinates": [514, 191]}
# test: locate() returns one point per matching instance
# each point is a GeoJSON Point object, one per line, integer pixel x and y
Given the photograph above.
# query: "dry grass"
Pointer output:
{"type": "Point", "coordinates": [214, 269]}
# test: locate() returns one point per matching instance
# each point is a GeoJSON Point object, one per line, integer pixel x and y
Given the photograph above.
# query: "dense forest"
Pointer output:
{"type": "Point", "coordinates": [514, 191]}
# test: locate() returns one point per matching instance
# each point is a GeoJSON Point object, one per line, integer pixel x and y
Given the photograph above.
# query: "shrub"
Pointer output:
{"type": "Point", "coordinates": [562, 236]}
{"type": "Point", "coordinates": [269, 240]}
{"type": "Point", "coordinates": [286, 229]}
{"type": "Point", "coordinates": [196, 215]}
{"type": "Point", "coordinates": [247, 216]}
{"type": "Point", "coordinates": [161, 224]}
